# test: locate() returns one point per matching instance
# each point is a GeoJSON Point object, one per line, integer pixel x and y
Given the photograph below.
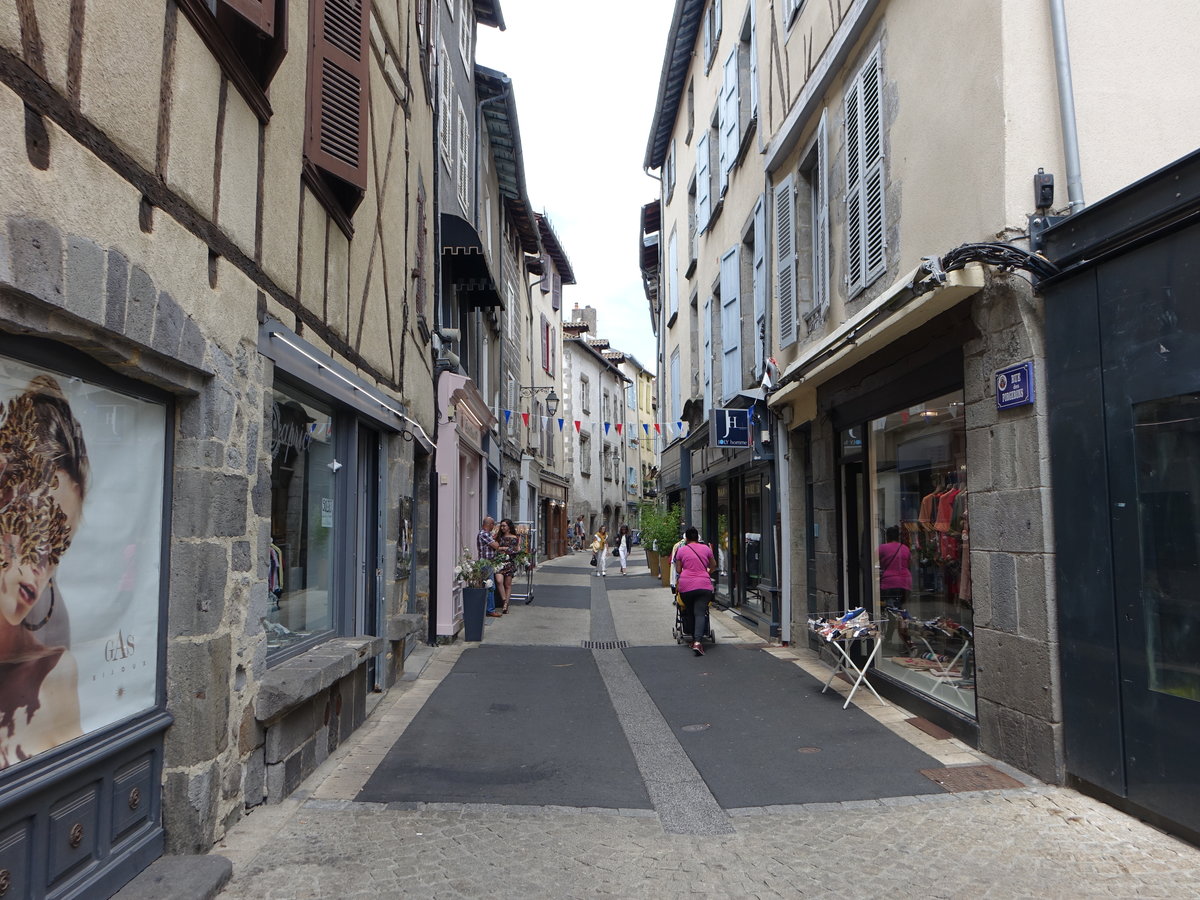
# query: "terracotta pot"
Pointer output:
{"type": "Point", "coordinates": [652, 562]}
{"type": "Point", "coordinates": [664, 565]}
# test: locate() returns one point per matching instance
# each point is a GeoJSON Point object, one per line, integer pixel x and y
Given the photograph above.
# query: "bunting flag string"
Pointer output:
{"type": "Point", "coordinates": [525, 418]}
{"type": "Point", "coordinates": [507, 415]}
{"type": "Point", "coordinates": [646, 428]}
{"type": "Point", "coordinates": [560, 426]}
{"type": "Point", "coordinates": [657, 428]}
{"type": "Point", "coordinates": [606, 424]}
{"type": "Point", "coordinates": [619, 426]}
{"type": "Point", "coordinates": [577, 424]}
{"type": "Point", "coordinates": [545, 422]}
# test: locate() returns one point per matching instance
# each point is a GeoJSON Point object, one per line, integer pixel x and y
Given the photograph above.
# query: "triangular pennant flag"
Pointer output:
{"type": "Point", "coordinates": [525, 419]}
{"type": "Point", "coordinates": [646, 428]}
{"type": "Point", "coordinates": [507, 415]}
{"type": "Point", "coordinates": [619, 426]}
{"type": "Point", "coordinates": [560, 425]}
{"type": "Point", "coordinates": [679, 427]}
{"type": "Point", "coordinates": [577, 424]}
{"type": "Point", "coordinates": [606, 427]}
{"type": "Point", "coordinates": [657, 428]}
{"type": "Point", "coordinates": [545, 422]}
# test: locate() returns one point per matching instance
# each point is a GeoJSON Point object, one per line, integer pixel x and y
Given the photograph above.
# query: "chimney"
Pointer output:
{"type": "Point", "coordinates": [587, 315]}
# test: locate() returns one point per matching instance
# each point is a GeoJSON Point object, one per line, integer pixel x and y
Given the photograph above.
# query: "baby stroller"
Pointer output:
{"type": "Point", "coordinates": [684, 625]}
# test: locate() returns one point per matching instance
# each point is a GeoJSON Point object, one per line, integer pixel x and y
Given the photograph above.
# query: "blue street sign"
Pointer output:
{"type": "Point", "coordinates": [1014, 386]}
{"type": "Point", "coordinates": [730, 428]}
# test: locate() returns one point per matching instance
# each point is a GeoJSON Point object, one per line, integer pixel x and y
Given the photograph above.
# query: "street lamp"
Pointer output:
{"type": "Point", "coordinates": [551, 398]}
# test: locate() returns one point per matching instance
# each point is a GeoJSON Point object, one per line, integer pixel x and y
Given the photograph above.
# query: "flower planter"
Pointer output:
{"type": "Point", "coordinates": [652, 562]}
{"type": "Point", "coordinates": [664, 566]}
{"type": "Point", "coordinates": [474, 605]}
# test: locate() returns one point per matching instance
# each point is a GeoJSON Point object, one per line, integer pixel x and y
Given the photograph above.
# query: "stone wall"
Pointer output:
{"type": "Point", "coordinates": [1012, 559]}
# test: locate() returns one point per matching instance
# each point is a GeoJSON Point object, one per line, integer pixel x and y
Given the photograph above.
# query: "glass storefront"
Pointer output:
{"type": "Point", "coordinates": [303, 534]}
{"type": "Point", "coordinates": [920, 537]}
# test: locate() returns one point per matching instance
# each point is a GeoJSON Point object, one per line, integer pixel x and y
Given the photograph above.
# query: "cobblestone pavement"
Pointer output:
{"type": "Point", "coordinates": [1035, 841]}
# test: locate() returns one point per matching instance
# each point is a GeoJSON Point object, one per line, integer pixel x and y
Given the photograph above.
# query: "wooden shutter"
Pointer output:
{"type": "Point", "coordinates": [820, 238]}
{"type": "Point", "coordinates": [731, 324]}
{"type": "Point", "coordinates": [706, 332]}
{"type": "Point", "coordinates": [676, 395]}
{"type": "Point", "coordinates": [545, 344]}
{"type": "Point", "coordinates": [785, 261]}
{"type": "Point", "coordinates": [865, 219]}
{"type": "Point", "coordinates": [753, 62]}
{"type": "Point", "coordinates": [337, 89]}
{"type": "Point", "coordinates": [703, 184]}
{"type": "Point", "coordinates": [872, 162]}
{"type": "Point", "coordinates": [259, 13]}
{"type": "Point", "coordinates": [445, 108]}
{"type": "Point", "coordinates": [730, 107]}
{"type": "Point", "coordinates": [673, 274]}
{"type": "Point", "coordinates": [464, 159]}
{"type": "Point", "coordinates": [760, 284]}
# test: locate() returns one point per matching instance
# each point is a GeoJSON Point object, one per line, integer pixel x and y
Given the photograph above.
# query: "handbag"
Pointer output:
{"type": "Point", "coordinates": [616, 551]}
{"type": "Point", "coordinates": [594, 558]}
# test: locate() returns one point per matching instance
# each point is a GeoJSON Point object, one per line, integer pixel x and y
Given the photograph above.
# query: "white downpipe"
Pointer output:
{"type": "Point", "coordinates": [1066, 105]}
{"type": "Point", "coordinates": [783, 492]}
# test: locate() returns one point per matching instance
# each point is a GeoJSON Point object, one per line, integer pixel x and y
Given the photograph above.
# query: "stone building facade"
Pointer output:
{"type": "Point", "coordinates": [198, 233]}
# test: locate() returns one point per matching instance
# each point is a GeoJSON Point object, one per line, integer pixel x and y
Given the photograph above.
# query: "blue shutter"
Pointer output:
{"type": "Point", "coordinates": [730, 106]}
{"type": "Point", "coordinates": [706, 332]}
{"type": "Point", "coordinates": [731, 325]}
{"type": "Point", "coordinates": [703, 184]}
{"type": "Point", "coordinates": [760, 284]}
{"type": "Point", "coordinates": [673, 273]}
{"type": "Point", "coordinates": [785, 261]}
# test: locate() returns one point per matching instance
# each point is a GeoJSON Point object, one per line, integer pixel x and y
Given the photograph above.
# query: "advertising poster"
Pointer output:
{"type": "Point", "coordinates": [81, 493]}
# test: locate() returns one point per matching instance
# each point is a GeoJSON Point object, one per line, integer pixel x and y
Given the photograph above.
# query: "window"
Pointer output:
{"type": "Point", "coordinates": [547, 359]}
{"type": "Point", "coordinates": [585, 395]}
{"type": "Point", "coordinates": [864, 178]}
{"type": "Point", "coordinates": [812, 209]}
{"type": "Point", "coordinates": [247, 39]}
{"type": "Point", "coordinates": [729, 121]}
{"type": "Point", "coordinates": [631, 397]}
{"type": "Point", "coordinates": [748, 48]}
{"type": "Point", "coordinates": [731, 324]}
{"type": "Point", "coordinates": [426, 28]}
{"type": "Point", "coordinates": [335, 151]}
{"type": "Point", "coordinates": [672, 277]}
{"type": "Point", "coordinates": [464, 159]}
{"type": "Point", "coordinates": [445, 109]}
{"type": "Point", "coordinates": [669, 174]}
{"type": "Point", "coordinates": [585, 454]}
{"type": "Point", "coordinates": [676, 398]}
{"type": "Point", "coordinates": [692, 232]}
{"type": "Point", "coordinates": [606, 407]}
{"type": "Point", "coordinates": [422, 285]}
{"type": "Point", "coordinates": [790, 9]}
{"type": "Point", "coordinates": [304, 539]}
{"type": "Point", "coordinates": [691, 111]}
{"type": "Point", "coordinates": [712, 32]}
{"type": "Point", "coordinates": [464, 36]}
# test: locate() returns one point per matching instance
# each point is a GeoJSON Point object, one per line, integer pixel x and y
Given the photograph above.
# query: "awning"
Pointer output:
{"type": "Point", "coordinates": [904, 307]}
{"type": "Point", "coordinates": [466, 264]}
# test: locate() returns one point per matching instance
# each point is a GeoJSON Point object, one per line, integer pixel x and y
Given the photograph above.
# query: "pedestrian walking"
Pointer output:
{"type": "Point", "coordinates": [695, 565]}
{"type": "Point", "coordinates": [486, 547]}
{"type": "Point", "coordinates": [578, 533]}
{"type": "Point", "coordinates": [600, 548]}
{"type": "Point", "coordinates": [624, 545]}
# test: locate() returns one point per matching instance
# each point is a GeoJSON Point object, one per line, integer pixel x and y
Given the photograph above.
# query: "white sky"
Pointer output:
{"type": "Point", "coordinates": [585, 77]}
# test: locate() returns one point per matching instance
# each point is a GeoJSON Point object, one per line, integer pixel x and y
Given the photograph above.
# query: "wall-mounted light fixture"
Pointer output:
{"type": "Point", "coordinates": [551, 398]}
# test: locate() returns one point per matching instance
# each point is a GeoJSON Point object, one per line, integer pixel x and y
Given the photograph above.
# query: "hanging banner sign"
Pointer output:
{"type": "Point", "coordinates": [729, 428]}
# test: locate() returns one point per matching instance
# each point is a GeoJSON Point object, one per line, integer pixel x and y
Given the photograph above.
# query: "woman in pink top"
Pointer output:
{"type": "Point", "coordinates": [695, 564]}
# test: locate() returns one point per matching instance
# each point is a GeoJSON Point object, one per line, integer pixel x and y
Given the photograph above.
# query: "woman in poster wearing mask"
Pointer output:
{"type": "Point", "coordinates": [43, 479]}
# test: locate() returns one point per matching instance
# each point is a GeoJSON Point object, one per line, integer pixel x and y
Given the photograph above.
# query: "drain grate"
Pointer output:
{"type": "Point", "coordinates": [604, 645]}
{"type": "Point", "coordinates": [971, 778]}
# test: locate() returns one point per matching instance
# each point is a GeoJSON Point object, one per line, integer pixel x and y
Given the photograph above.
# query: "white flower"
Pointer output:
{"type": "Point", "coordinates": [458, 570]}
{"type": "Point", "coordinates": [489, 583]}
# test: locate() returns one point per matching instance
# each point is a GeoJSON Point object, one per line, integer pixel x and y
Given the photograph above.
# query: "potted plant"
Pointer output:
{"type": "Point", "coordinates": [476, 576]}
{"type": "Point", "coordinates": [671, 532]}
{"type": "Point", "coordinates": [649, 519]}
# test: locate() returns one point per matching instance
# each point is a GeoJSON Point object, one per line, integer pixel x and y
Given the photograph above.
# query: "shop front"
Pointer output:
{"type": "Point", "coordinates": [552, 515]}
{"type": "Point", "coordinates": [1123, 345]}
{"type": "Point", "coordinates": [461, 467]}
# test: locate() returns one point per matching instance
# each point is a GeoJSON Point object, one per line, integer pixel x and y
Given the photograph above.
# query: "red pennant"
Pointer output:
{"type": "Point", "coordinates": [657, 428]}
{"type": "Point", "coordinates": [525, 419]}
{"type": "Point", "coordinates": [619, 426]}
{"type": "Point", "coordinates": [577, 424]}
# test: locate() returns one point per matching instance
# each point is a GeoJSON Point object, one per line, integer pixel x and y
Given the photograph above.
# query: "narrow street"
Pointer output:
{"type": "Point", "coordinates": [579, 750]}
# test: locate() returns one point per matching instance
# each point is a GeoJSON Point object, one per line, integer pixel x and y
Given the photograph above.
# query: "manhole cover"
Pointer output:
{"type": "Point", "coordinates": [809, 749]}
{"type": "Point", "coordinates": [695, 727]}
{"type": "Point", "coordinates": [604, 645]}
{"type": "Point", "coordinates": [971, 778]}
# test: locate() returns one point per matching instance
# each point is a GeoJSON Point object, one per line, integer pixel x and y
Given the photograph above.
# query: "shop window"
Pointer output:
{"type": "Point", "coordinates": [920, 535]}
{"type": "Point", "coordinates": [304, 536]}
{"type": "Point", "coordinates": [81, 545]}
{"type": "Point", "coordinates": [1166, 446]}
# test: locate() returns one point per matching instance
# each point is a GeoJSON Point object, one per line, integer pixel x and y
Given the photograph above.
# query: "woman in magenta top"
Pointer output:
{"type": "Point", "coordinates": [695, 564]}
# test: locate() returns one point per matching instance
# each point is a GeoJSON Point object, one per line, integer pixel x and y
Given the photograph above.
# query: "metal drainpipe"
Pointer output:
{"type": "Point", "coordinates": [1066, 105]}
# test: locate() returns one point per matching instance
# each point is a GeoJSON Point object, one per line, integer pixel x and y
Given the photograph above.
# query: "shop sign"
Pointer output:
{"type": "Point", "coordinates": [1014, 386]}
{"type": "Point", "coordinates": [81, 511]}
{"type": "Point", "coordinates": [730, 428]}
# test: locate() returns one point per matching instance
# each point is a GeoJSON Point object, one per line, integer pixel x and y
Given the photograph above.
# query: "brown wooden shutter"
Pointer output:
{"type": "Point", "coordinates": [259, 13]}
{"type": "Point", "coordinates": [337, 89]}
